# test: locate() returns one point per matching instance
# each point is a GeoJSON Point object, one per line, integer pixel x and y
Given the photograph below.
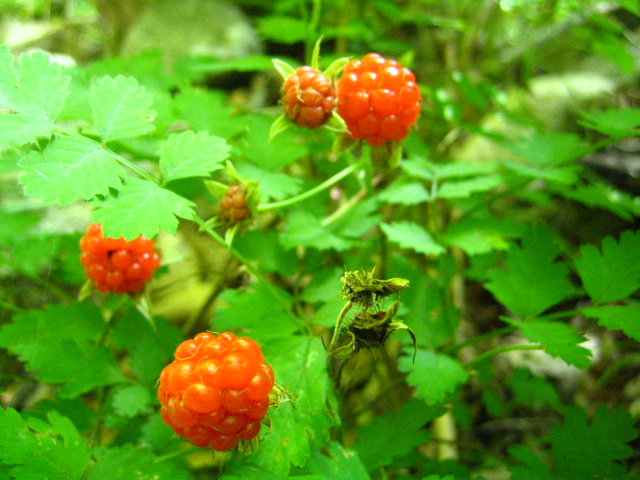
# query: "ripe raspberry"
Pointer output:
{"type": "Point", "coordinates": [308, 97]}
{"type": "Point", "coordinates": [216, 391]}
{"type": "Point", "coordinates": [116, 265]}
{"type": "Point", "coordinates": [378, 99]}
{"type": "Point", "coordinates": [233, 206]}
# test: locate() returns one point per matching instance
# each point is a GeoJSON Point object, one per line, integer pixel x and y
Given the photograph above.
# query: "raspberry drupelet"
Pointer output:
{"type": "Point", "coordinates": [308, 97]}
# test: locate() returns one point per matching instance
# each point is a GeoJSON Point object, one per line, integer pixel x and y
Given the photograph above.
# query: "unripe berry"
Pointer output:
{"type": "Point", "coordinates": [308, 97]}
{"type": "Point", "coordinates": [233, 206]}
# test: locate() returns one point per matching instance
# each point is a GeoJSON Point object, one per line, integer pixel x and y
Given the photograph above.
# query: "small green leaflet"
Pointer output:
{"type": "Point", "coordinates": [465, 188]}
{"type": "Point", "coordinates": [394, 435]}
{"type": "Point", "coordinates": [413, 236]}
{"type": "Point", "coordinates": [548, 148]}
{"type": "Point", "coordinates": [127, 462]}
{"type": "Point", "coordinates": [60, 345]}
{"type": "Point", "coordinates": [34, 91]}
{"type": "Point", "coordinates": [403, 193]}
{"type": "Point", "coordinates": [477, 235]}
{"type": "Point", "coordinates": [190, 154]}
{"type": "Point", "coordinates": [141, 207]}
{"type": "Point", "coordinates": [589, 450]}
{"type": "Point", "coordinates": [433, 374]}
{"type": "Point", "coordinates": [303, 228]}
{"type": "Point", "coordinates": [617, 317]}
{"type": "Point", "coordinates": [70, 167]}
{"type": "Point", "coordinates": [337, 462]}
{"type": "Point", "coordinates": [283, 29]}
{"type": "Point", "coordinates": [601, 195]}
{"type": "Point", "coordinates": [559, 339]}
{"type": "Point", "coordinates": [121, 108]}
{"type": "Point", "coordinates": [617, 123]}
{"type": "Point", "coordinates": [131, 401]}
{"type": "Point", "coordinates": [613, 274]}
{"type": "Point", "coordinates": [532, 280]}
{"type": "Point", "coordinates": [54, 450]}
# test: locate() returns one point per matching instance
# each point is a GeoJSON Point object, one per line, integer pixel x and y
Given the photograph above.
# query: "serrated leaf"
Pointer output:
{"type": "Point", "coordinates": [433, 374]}
{"type": "Point", "coordinates": [121, 108]}
{"type": "Point", "coordinates": [532, 280]}
{"type": "Point", "coordinates": [299, 365]}
{"type": "Point", "coordinates": [127, 462]}
{"type": "Point", "coordinates": [413, 236]}
{"type": "Point", "coordinates": [465, 188]}
{"type": "Point", "coordinates": [132, 400]}
{"type": "Point", "coordinates": [559, 339]}
{"type": "Point", "coordinates": [548, 148]}
{"type": "Point", "coordinates": [69, 168]}
{"type": "Point", "coordinates": [337, 462]}
{"type": "Point", "coordinates": [617, 123]}
{"type": "Point", "coordinates": [589, 450]}
{"type": "Point", "coordinates": [481, 235]}
{"type": "Point", "coordinates": [208, 110]}
{"type": "Point", "coordinates": [190, 154]}
{"type": "Point", "coordinates": [394, 435]}
{"type": "Point", "coordinates": [272, 185]}
{"type": "Point", "coordinates": [141, 207]}
{"type": "Point", "coordinates": [405, 193]}
{"type": "Point", "coordinates": [33, 90]}
{"type": "Point", "coordinates": [534, 467]}
{"type": "Point", "coordinates": [55, 451]}
{"type": "Point", "coordinates": [614, 273]}
{"type": "Point", "coordinates": [304, 229]}
{"type": "Point", "coordinates": [617, 317]}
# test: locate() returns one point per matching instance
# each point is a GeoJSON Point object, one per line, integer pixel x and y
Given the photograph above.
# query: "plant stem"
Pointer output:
{"type": "Point", "coordinates": [309, 193]}
{"type": "Point", "coordinates": [496, 351]}
{"type": "Point", "coordinates": [336, 330]}
{"type": "Point", "coordinates": [257, 273]}
{"type": "Point", "coordinates": [480, 339]}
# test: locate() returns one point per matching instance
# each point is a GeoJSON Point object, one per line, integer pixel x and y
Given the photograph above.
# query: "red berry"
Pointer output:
{"type": "Point", "coordinates": [216, 391]}
{"type": "Point", "coordinates": [308, 97]}
{"type": "Point", "coordinates": [233, 206]}
{"type": "Point", "coordinates": [115, 265]}
{"type": "Point", "coordinates": [378, 99]}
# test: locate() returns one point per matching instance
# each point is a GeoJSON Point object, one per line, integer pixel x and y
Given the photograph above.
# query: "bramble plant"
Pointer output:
{"type": "Point", "coordinates": [419, 188]}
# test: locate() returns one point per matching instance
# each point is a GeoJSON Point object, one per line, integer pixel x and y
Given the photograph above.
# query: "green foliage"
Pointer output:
{"type": "Point", "coordinates": [413, 236]}
{"type": "Point", "coordinates": [190, 154]}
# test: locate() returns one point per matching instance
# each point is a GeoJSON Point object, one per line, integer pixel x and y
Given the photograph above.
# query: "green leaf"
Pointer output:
{"type": "Point", "coordinates": [141, 207]}
{"type": "Point", "coordinates": [304, 229]}
{"type": "Point", "coordinates": [55, 450]}
{"type": "Point", "coordinates": [263, 247]}
{"type": "Point", "coordinates": [413, 236]}
{"type": "Point", "coordinates": [533, 391]}
{"type": "Point", "coordinates": [208, 110]}
{"type": "Point", "coordinates": [532, 280]}
{"type": "Point", "coordinates": [602, 195]}
{"type": "Point", "coordinates": [132, 401]}
{"type": "Point", "coordinates": [548, 148]}
{"type": "Point", "coordinates": [190, 154]}
{"type": "Point", "coordinates": [534, 467]}
{"type": "Point", "coordinates": [394, 435]}
{"type": "Point", "coordinates": [33, 90]}
{"type": "Point", "coordinates": [465, 188]}
{"type": "Point", "coordinates": [614, 273]}
{"type": "Point", "coordinates": [299, 364]}
{"type": "Point", "coordinates": [282, 29]}
{"type": "Point", "coordinates": [433, 374]}
{"type": "Point", "coordinates": [481, 235]}
{"type": "Point", "coordinates": [121, 108]}
{"type": "Point", "coordinates": [272, 185]}
{"type": "Point", "coordinates": [590, 450]}
{"type": "Point", "coordinates": [617, 123]}
{"type": "Point", "coordinates": [337, 462]}
{"type": "Point", "coordinates": [70, 167]}
{"type": "Point", "coordinates": [617, 317]}
{"type": "Point", "coordinates": [402, 193]}
{"type": "Point", "coordinates": [256, 312]}
{"type": "Point", "coordinates": [127, 462]}
{"type": "Point", "coordinates": [559, 339]}
{"type": "Point", "coordinates": [59, 344]}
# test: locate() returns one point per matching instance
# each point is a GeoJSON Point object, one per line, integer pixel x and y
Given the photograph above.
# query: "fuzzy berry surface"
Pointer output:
{"type": "Point", "coordinates": [115, 265]}
{"type": "Point", "coordinates": [308, 97]}
{"type": "Point", "coordinates": [216, 391]}
{"type": "Point", "coordinates": [233, 206]}
{"type": "Point", "coordinates": [378, 99]}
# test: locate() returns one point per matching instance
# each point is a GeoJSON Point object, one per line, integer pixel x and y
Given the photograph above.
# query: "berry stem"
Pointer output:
{"type": "Point", "coordinates": [309, 193]}
{"type": "Point", "coordinates": [258, 274]}
{"type": "Point", "coordinates": [336, 330]}
{"type": "Point", "coordinates": [482, 357]}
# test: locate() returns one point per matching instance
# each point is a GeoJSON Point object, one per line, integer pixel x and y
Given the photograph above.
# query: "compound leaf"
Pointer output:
{"type": "Point", "coordinates": [190, 154]}
{"type": "Point", "coordinates": [590, 450]}
{"type": "Point", "coordinates": [54, 450]}
{"type": "Point", "coordinates": [433, 374]}
{"type": "Point", "coordinates": [120, 108]}
{"type": "Point", "coordinates": [141, 207]}
{"type": "Point", "coordinates": [559, 339]}
{"type": "Point", "coordinates": [127, 462]}
{"type": "Point", "coordinates": [614, 273]}
{"type": "Point", "coordinates": [532, 280]}
{"type": "Point", "coordinates": [70, 167]}
{"type": "Point", "coordinates": [394, 435]}
{"type": "Point", "coordinates": [33, 90]}
{"type": "Point", "coordinates": [413, 236]}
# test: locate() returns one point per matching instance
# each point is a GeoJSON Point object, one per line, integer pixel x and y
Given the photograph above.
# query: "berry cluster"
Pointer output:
{"type": "Point", "coordinates": [216, 391]}
{"type": "Point", "coordinates": [233, 206]}
{"type": "Point", "coordinates": [116, 265]}
{"type": "Point", "coordinates": [308, 97]}
{"type": "Point", "coordinates": [378, 99]}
